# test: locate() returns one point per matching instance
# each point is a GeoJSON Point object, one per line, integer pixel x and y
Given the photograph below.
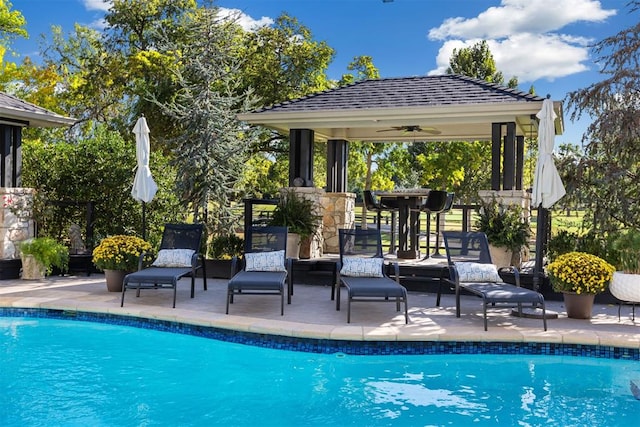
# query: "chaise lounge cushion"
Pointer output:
{"type": "Point", "coordinates": [477, 272]}
{"type": "Point", "coordinates": [173, 258]}
{"type": "Point", "coordinates": [361, 267]}
{"type": "Point", "coordinates": [264, 261]}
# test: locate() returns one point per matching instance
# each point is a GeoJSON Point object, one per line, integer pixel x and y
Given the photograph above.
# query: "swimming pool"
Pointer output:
{"type": "Point", "coordinates": [87, 373]}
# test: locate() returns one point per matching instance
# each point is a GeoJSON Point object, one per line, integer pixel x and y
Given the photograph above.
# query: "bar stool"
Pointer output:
{"type": "Point", "coordinates": [435, 202]}
{"type": "Point", "coordinates": [447, 207]}
{"type": "Point", "coordinates": [390, 204]}
{"type": "Point", "coordinates": [373, 205]}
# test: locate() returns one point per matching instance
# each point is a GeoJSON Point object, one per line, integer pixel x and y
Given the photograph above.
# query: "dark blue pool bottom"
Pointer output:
{"type": "Point", "coordinates": [329, 346]}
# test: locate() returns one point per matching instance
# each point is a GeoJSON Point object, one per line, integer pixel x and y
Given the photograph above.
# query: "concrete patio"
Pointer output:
{"type": "Point", "coordinates": [312, 314]}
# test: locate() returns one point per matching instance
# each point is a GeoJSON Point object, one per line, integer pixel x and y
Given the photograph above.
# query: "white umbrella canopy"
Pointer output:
{"type": "Point", "coordinates": [547, 184]}
{"type": "Point", "coordinates": [144, 187]}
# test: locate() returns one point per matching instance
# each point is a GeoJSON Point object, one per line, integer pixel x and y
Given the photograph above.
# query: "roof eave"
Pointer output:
{"type": "Point", "coordinates": [36, 119]}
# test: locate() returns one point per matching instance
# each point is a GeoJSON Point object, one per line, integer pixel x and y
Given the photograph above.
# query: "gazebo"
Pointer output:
{"type": "Point", "coordinates": [423, 108]}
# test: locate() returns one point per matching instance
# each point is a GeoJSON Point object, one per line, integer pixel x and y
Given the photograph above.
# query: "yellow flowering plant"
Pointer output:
{"type": "Point", "coordinates": [121, 252]}
{"type": "Point", "coordinates": [580, 272]}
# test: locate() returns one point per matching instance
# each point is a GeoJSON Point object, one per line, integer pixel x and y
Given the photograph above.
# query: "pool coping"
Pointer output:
{"type": "Point", "coordinates": [329, 345]}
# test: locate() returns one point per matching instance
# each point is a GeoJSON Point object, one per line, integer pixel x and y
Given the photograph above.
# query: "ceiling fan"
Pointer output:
{"type": "Point", "coordinates": [412, 129]}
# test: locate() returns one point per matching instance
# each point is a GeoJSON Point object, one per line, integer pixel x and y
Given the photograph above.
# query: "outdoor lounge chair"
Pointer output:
{"type": "Point", "coordinates": [361, 271]}
{"type": "Point", "coordinates": [471, 269]}
{"type": "Point", "coordinates": [178, 256]}
{"type": "Point", "coordinates": [264, 269]}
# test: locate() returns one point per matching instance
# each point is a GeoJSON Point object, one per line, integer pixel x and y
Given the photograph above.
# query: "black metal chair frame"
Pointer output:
{"type": "Point", "coordinates": [379, 205]}
{"type": "Point", "coordinates": [474, 247]}
{"type": "Point", "coordinates": [447, 208]}
{"type": "Point", "coordinates": [436, 201]}
{"type": "Point", "coordinates": [174, 236]}
{"type": "Point", "coordinates": [373, 205]}
{"type": "Point", "coordinates": [367, 289]}
{"type": "Point", "coordinates": [262, 282]}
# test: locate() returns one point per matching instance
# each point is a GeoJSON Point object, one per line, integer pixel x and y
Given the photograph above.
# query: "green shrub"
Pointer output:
{"type": "Point", "coordinates": [297, 213]}
{"type": "Point", "coordinates": [47, 251]}
{"type": "Point", "coordinates": [226, 246]}
{"type": "Point", "coordinates": [504, 225]}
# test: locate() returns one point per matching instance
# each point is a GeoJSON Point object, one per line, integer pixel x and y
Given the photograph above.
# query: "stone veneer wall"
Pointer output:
{"type": "Point", "coordinates": [339, 213]}
{"type": "Point", "coordinates": [17, 220]}
{"type": "Point", "coordinates": [509, 197]}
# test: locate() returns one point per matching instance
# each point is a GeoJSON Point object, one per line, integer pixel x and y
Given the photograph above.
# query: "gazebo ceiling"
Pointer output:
{"type": "Point", "coordinates": [428, 108]}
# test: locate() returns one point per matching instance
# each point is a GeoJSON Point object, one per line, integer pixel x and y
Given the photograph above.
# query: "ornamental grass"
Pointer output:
{"type": "Point", "coordinates": [580, 272]}
{"type": "Point", "coordinates": [120, 252]}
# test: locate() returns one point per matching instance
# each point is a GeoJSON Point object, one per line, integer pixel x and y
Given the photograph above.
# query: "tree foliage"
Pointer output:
{"type": "Point", "coordinates": [609, 172]}
{"type": "Point", "coordinates": [477, 61]}
{"type": "Point", "coordinates": [98, 169]}
{"type": "Point", "coordinates": [12, 25]}
{"type": "Point", "coordinates": [211, 148]}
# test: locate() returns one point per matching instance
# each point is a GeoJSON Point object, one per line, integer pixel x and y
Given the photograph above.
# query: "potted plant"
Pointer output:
{"type": "Point", "coordinates": [579, 276]}
{"type": "Point", "coordinates": [39, 255]}
{"type": "Point", "coordinates": [625, 284]}
{"type": "Point", "coordinates": [119, 255]}
{"type": "Point", "coordinates": [299, 215]}
{"type": "Point", "coordinates": [222, 249]}
{"type": "Point", "coordinates": [507, 230]}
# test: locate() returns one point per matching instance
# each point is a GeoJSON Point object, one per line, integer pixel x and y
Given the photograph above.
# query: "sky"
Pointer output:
{"type": "Point", "coordinates": [544, 43]}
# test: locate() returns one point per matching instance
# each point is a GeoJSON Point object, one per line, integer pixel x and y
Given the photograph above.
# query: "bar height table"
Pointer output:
{"type": "Point", "coordinates": [408, 201]}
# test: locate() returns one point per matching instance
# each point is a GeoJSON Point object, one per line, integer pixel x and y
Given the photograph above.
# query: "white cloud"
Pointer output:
{"type": "Point", "coordinates": [102, 5]}
{"type": "Point", "coordinates": [98, 24]}
{"type": "Point", "coordinates": [245, 21]}
{"type": "Point", "coordinates": [523, 37]}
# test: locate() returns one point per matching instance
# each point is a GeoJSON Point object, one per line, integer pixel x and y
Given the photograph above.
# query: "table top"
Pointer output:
{"type": "Point", "coordinates": [409, 192]}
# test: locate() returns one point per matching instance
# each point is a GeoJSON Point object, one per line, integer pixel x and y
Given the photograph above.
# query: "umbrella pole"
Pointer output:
{"type": "Point", "coordinates": [144, 221]}
{"type": "Point", "coordinates": [541, 232]}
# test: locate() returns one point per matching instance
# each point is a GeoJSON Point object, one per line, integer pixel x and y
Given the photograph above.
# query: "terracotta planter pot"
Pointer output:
{"type": "Point", "coordinates": [114, 279]}
{"type": "Point", "coordinates": [578, 306]}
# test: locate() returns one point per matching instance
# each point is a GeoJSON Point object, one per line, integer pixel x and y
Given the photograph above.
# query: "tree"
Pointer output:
{"type": "Point", "coordinates": [477, 61]}
{"type": "Point", "coordinates": [12, 25]}
{"type": "Point", "coordinates": [212, 145]}
{"type": "Point", "coordinates": [609, 172]}
{"type": "Point", "coordinates": [457, 166]}
{"type": "Point", "coordinates": [104, 76]}
{"type": "Point", "coordinates": [282, 62]}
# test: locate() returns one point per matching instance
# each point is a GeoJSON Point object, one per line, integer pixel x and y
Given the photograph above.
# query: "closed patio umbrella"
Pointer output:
{"type": "Point", "coordinates": [547, 184]}
{"type": "Point", "coordinates": [144, 187]}
{"type": "Point", "coordinates": [547, 190]}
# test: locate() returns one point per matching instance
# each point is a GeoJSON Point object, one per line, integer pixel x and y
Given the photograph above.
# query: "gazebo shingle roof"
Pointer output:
{"type": "Point", "coordinates": [397, 92]}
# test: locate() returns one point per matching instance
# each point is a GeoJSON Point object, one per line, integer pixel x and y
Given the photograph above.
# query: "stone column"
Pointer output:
{"type": "Point", "coordinates": [339, 213]}
{"type": "Point", "coordinates": [509, 197]}
{"type": "Point", "coordinates": [17, 222]}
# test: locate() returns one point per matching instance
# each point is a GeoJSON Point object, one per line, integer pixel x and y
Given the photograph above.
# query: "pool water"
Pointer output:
{"type": "Point", "coordinates": [75, 373]}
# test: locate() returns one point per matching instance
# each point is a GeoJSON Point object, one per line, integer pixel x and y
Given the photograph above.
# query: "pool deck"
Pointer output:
{"type": "Point", "coordinates": [312, 314]}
